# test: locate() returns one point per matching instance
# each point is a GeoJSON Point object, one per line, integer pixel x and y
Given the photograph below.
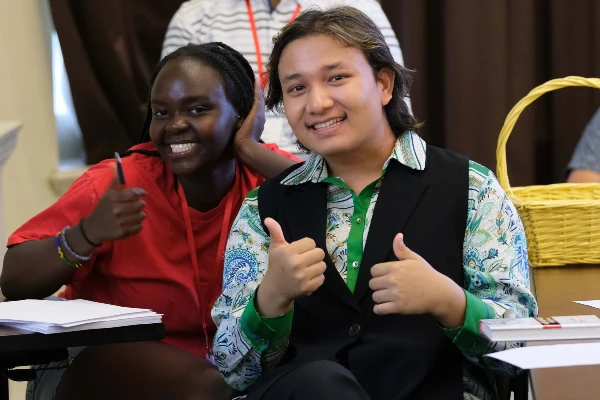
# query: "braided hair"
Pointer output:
{"type": "Point", "coordinates": [236, 72]}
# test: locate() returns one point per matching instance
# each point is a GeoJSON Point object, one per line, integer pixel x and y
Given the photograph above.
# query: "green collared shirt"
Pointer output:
{"type": "Point", "coordinates": [495, 259]}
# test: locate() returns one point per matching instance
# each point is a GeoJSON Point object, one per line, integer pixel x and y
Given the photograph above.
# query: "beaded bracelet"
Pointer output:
{"type": "Point", "coordinates": [62, 255]}
{"type": "Point", "coordinates": [63, 241]}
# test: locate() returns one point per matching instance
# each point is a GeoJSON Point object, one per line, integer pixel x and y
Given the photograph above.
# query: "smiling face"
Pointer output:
{"type": "Point", "coordinates": [331, 98]}
{"type": "Point", "coordinates": [193, 121]}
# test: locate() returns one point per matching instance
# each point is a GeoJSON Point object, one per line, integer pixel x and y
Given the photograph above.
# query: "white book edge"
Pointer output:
{"type": "Point", "coordinates": [530, 329]}
{"type": "Point", "coordinates": [533, 323]}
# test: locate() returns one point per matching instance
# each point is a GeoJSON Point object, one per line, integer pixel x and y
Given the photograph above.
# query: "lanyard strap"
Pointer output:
{"type": "Point", "coordinates": [264, 79]}
{"type": "Point", "coordinates": [218, 265]}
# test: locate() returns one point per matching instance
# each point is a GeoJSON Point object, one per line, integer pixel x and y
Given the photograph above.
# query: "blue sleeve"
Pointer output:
{"type": "Point", "coordinates": [587, 152]}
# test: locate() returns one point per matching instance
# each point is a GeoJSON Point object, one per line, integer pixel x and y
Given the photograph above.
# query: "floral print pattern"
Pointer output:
{"type": "Point", "coordinates": [494, 261]}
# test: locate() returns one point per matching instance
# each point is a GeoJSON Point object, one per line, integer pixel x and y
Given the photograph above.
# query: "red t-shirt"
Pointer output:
{"type": "Point", "coordinates": [152, 269]}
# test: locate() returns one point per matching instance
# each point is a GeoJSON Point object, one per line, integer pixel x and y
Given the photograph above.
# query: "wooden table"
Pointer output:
{"type": "Point", "coordinates": [556, 289]}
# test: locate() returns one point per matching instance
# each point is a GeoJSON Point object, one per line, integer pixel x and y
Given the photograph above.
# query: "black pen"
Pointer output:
{"type": "Point", "coordinates": [120, 173]}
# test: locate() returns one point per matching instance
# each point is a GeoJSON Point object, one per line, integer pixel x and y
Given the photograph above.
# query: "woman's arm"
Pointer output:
{"type": "Point", "coordinates": [247, 145]}
{"type": "Point", "coordinates": [261, 159]}
{"type": "Point", "coordinates": [33, 267]}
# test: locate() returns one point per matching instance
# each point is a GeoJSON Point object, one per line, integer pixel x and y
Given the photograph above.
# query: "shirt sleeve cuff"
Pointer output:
{"type": "Point", "coordinates": [264, 332]}
{"type": "Point", "coordinates": [467, 337]}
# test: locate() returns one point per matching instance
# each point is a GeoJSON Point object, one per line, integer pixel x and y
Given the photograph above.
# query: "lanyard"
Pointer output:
{"type": "Point", "coordinates": [264, 79]}
{"type": "Point", "coordinates": [203, 299]}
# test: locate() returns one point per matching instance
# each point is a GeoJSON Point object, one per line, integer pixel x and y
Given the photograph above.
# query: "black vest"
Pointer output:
{"type": "Point", "coordinates": [394, 356]}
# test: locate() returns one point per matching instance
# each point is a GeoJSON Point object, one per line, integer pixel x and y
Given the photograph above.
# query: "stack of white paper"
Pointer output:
{"type": "Point", "coordinates": [48, 316]}
{"type": "Point", "coordinates": [590, 303]}
{"type": "Point", "coordinates": [551, 356]}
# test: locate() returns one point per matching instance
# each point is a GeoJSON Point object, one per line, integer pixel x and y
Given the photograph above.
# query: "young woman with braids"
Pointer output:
{"type": "Point", "coordinates": [158, 242]}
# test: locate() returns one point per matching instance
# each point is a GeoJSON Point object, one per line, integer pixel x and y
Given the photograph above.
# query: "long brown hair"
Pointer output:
{"type": "Point", "coordinates": [352, 28]}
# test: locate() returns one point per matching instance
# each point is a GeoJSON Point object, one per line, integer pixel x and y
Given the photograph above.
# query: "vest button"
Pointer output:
{"type": "Point", "coordinates": [354, 330]}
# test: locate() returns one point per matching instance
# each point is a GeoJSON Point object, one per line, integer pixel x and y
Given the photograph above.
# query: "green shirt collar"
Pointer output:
{"type": "Point", "coordinates": [409, 150]}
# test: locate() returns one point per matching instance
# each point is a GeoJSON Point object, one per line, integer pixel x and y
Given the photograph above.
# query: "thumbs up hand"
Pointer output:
{"type": "Point", "coordinates": [295, 269]}
{"type": "Point", "coordinates": [412, 286]}
{"type": "Point", "coordinates": [119, 213]}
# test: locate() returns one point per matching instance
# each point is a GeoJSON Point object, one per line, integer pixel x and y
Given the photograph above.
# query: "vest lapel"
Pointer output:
{"type": "Point", "coordinates": [398, 197]}
{"type": "Point", "coordinates": [305, 210]}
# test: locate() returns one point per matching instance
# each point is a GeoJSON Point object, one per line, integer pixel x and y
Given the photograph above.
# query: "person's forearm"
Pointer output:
{"type": "Point", "coordinates": [268, 304]}
{"type": "Point", "coordinates": [34, 269]}
{"type": "Point", "coordinates": [262, 160]}
{"type": "Point", "coordinates": [451, 312]}
{"type": "Point", "coordinates": [583, 176]}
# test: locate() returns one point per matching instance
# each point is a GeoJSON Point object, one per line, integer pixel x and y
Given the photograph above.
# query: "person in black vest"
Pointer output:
{"type": "Point", "coordinates": [363, 272]}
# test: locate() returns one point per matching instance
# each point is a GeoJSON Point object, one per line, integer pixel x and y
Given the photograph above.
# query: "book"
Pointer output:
{"type": "Point", "coordinates": [529, 329]}
{"type": "Point", "coordinates": [51, 316]}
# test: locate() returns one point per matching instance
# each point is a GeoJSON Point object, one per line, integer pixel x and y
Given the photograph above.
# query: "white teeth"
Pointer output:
{"type": "Point", "coordinates": [328, 124]}
{"type": "Point", "coordinates": [180, 148]}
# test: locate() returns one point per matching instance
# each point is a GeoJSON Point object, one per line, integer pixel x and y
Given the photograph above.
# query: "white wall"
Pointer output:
{"type": "Point", "coordinates": [26, 96]}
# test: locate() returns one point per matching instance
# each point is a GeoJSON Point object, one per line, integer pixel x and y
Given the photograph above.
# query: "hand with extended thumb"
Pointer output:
{"type": "Point", "coordinates": [412, 286]}
{"type": "Point", "coordinates": [295, 269]}
{"type": "Point", "coordinates": [119, 214]}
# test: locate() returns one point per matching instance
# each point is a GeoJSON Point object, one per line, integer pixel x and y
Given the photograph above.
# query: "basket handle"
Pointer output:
{"type": "Point", "coordinates": [513, 115]}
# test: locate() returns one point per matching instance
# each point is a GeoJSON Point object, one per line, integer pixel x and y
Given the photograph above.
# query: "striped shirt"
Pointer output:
{"type": "Point", "coordinates": [227, 21]}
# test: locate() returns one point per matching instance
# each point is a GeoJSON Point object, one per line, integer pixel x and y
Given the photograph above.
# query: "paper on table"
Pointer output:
{"type": "Point", "coordinates": [115, 320]}
{"type": "Point", "coordinates": [590, 303]}
{"type": "Point", "coordinates": [10, 331]}
{"type": "Point", "coordinates": [137, 315]}
{"type": "Point", "coordinates": [46, 328]}
{"type": "Point", "coordinates": [61, 312]}
{"type": "Point", "coordinates": [557, 355]}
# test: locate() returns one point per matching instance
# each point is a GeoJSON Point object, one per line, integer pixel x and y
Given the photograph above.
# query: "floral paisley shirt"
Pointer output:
{"type": "Point", "coordinates": [495, 266]}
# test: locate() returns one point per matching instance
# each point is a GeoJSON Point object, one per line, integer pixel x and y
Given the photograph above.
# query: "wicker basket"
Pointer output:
{"type": "Point", "coordinates": [562, 221]}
